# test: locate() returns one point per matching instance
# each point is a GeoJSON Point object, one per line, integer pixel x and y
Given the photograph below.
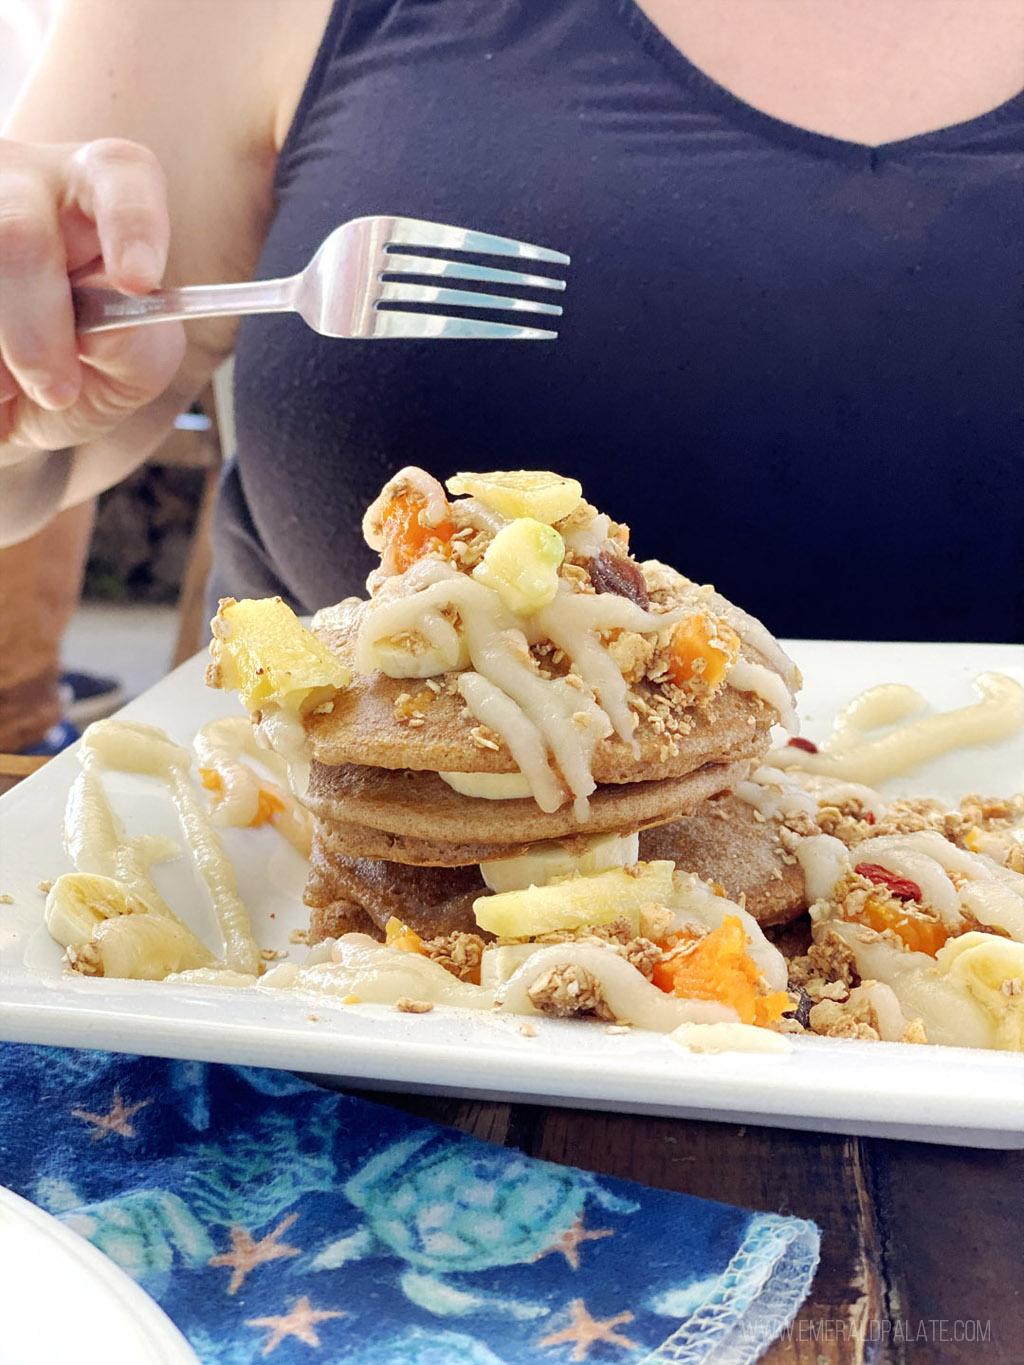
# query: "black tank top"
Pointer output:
{"type": "Point", "coordinates": [793, 364]}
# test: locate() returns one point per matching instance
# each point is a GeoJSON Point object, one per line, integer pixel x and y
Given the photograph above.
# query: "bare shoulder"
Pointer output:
{"type": "Point", "coordinates": [151, 64]}
{"type": "Point", "coordinates": [210, 86]}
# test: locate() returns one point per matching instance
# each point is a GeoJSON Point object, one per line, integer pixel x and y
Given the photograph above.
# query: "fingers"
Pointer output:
{"type": "Point", "coordinates": [62, 209]}
{"type": "Point", "coordinates": [8, 384]}
{"type": "Point", "coordinates": [37, 330]}
{"type": "Point", "coordinates": [121, 372]}
{"type": "Point", "coordinates": [120, 186]}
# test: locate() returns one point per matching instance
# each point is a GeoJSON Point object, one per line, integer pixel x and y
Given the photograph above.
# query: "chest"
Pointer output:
{"type": "Point", "coordinates": [863, 70]}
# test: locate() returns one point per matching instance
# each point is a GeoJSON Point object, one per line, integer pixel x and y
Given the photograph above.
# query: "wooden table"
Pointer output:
{"type": "Point", "coordinates": [923, 1246]}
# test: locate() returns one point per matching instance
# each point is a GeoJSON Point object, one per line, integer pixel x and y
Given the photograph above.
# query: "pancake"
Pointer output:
{"type": "Point", "coordinates": [723, 841]}
{"type": "Point", "coordinates": [419, 812]}
{"type": "Point", "coordinates": [430, 900]}
{"type": "Point", "coordinates": [364, 726]}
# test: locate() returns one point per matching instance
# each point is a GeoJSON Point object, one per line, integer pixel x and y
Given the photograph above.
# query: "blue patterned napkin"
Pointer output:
{"type": "Point", "coordinates": [272, 1219]}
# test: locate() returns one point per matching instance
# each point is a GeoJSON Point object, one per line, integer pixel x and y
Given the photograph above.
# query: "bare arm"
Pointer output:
{"type": "Point", "coordinates": [209, 88]}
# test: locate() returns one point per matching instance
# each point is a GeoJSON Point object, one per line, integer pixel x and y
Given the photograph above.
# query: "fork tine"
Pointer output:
{"type": "Point", "coordinates": [399, 291]}
{"type": "Point", "coordinates": [397, 264]}
{"type": "Point", "coordinates": [418, 232]}
{"type": "Point", "coordinates": [391, 323]}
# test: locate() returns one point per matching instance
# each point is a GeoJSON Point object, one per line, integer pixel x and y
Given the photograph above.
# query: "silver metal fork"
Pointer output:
{"type": "Point", "coordinates": [347, 289]}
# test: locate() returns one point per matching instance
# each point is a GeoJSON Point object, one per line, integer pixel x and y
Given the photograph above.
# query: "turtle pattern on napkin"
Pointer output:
{"type": "Point", "coordinates": [273, 1219]}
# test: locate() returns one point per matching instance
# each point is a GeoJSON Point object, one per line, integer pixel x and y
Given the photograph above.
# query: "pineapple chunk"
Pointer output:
{"type": "Point", "coordinates": [514, 493]}
{"type": "Point", "coordinates": [521, 564]}
{"type": "Point", "coordinates": [262, 649]}
{"type": "Point", "coordinates": [576, 902]}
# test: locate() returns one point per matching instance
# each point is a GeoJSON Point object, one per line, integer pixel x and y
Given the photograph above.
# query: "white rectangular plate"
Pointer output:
{"type": "Point", "coordinates": [928, 1093]}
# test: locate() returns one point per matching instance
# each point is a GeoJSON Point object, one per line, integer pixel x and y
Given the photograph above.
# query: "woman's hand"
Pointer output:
{"type": "Point", "coordinates": [97, 210]}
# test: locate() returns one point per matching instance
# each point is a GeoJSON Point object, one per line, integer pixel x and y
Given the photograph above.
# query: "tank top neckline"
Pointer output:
{"type": "Point", "coordinates": [675, 60]}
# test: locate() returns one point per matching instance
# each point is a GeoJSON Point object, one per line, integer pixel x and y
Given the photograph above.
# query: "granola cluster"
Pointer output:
{"type": "Point", "coordinates": [567, 991]}
{"type": "Point", "coordinates": [833, 1000]}
{"type": "Point", "coordinates": [457, 952]}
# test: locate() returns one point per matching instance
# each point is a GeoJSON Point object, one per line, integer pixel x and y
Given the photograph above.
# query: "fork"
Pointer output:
{"type": "Point", "coordinates": [345, 291]}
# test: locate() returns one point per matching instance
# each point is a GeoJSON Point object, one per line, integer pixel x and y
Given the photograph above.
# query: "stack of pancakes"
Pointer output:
{"type": "Point", "coordinates": [393, 839]}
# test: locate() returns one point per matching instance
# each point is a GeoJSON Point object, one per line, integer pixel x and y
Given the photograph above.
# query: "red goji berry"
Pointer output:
{"type": "Point", "coordinates": [798, 742]}
{"type": "Point", "coordinates": [900, 887]}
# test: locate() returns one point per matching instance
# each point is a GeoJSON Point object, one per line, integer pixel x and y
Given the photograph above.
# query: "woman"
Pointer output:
{"type": "Point", "coordinates": [791, 354]}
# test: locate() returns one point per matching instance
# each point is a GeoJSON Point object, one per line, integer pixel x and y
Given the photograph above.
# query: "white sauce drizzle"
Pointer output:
{"type": "Point", "coordinates": [283, 733]}
{"type": "Point", "coordinates": [853, 752]}
{"type": "Point", "coordinates": [491, 707]}
{"type": "Point", "coordinates": [534, 716]}
{"type": "Point", "coordinates": [587, 539]}
{"type": "Point", "coordinates": [825, 860]}
{"type": "Point", "coordinates": [746, 676]}
{"type": "Point", "coordinates": [434, 512]}
{"type": "Point", "coordinates": [472, 512]}
{"type": "Point", "coordinates": [95, 843]}
{"type": "Point", "coordinates": [757, 635]}
{"type": "Point", "coordinates": [950, 1015]}
{"type": "Point", "coordinates": [220, 745]}
{"type": "Point", "coordinates": [628, 994]}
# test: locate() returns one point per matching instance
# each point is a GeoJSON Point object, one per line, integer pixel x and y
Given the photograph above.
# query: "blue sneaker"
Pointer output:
{"type": "Point", "coordinates": [58, 737]}
{"type": "Point", "coordinates": [87, 698]}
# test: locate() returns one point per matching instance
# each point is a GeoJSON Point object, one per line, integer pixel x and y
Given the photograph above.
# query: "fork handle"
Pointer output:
{"type": "Point", "coordinates": [101, 310]}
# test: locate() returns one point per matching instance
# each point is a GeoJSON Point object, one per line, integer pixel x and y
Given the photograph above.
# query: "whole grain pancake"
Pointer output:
{"type": "Point", "coordinates": [430, 900]}
{"type": "Point", "coordinates": [369, 724]}
{"type": "Point", "coordinates": [430, 823]}
{"type": "Point", "coordinates": [720, 842]}
{"type": "Point", "coordinates": [723, 841]}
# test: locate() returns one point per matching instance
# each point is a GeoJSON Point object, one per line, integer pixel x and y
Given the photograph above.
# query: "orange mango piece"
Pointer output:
{"type": "Point", "coordinates": [405, 533]}
{"type": "Point", "coordinates": [267, 806]}
{"type": "Point", "coordinates": [719, 968]}
{"type": "Point", "coordinates": [920, 933]}
{"type": "Point", "coordinates": [399, 935]}
{"type": "Point", "coordinates": [211, 779]}
{"type": "Point", "coordinates": [701, 649]}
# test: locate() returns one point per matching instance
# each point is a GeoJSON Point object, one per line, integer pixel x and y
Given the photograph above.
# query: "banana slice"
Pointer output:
{"type": "Point", "coordinates": [548, 861]}
{"type": "Point", "coordinates": [78, 902]}
{"type": "Point", "coordinates": [991, 969]}
{"type": "Point", "coordinates": [490, 787]}
{"type": "Point", "coordinates": [143, 948]}
{"type": "Point", "coordinates": [514, 493]}
{"type": "Point", "coordinates": [597, 899]}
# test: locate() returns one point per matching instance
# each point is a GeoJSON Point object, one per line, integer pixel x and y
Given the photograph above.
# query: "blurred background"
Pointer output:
{"type": "Point", "coordinates": [142, 605]}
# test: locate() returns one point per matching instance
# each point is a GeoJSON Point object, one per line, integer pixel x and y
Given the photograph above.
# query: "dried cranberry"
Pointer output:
{"type": "Point", "coordinates": [610, 572]}
{"type": "Point", "coordinates": [900, 887]}
{"type": "Point", "coordinates": [808, 745]}
{"type": "Point", "coordinates": [868, 817]}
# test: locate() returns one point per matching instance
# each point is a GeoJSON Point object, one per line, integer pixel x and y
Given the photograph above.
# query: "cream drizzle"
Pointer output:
{"type": "Point", "coordinates": [853, 752]}
{"type": "Point", "coordinates": [221, 745]}
{"type": "Point", "coordinates": [435, 509]}
{"type": "Point", "coordinates": [747, 676]}
{"type": "Point", "coordinates": [628, 994]}
{"type": "Point", "coordinates": [535, 716]}
{"type": "Point", "coordinates": [283, 733]}
{"type": "Point", "coordinates": [96, 844]}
